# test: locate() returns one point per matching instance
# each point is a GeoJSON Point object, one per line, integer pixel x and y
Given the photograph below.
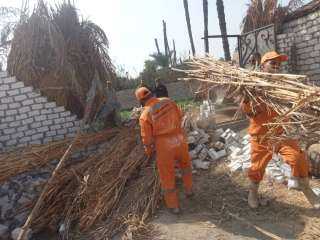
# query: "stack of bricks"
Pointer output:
{"type": "Point", "coordinates": [300, 40]}
{"type": "Point", "coordinates": [27, 118]}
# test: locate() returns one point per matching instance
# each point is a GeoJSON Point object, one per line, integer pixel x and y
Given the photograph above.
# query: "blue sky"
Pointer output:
{"type": "Point", "coordinates": [132, 25]}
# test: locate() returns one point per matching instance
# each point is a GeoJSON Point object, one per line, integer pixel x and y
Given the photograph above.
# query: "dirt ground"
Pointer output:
{"type": "Point", "coordinates": [219, 211]}
{"type": "Point", "coordinates": [219, 208]}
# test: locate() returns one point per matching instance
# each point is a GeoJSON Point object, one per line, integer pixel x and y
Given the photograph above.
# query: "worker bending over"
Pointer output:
{"type": "Point", "coordinates": [262, 149]}
{"type": "Point", "coordinates": [162, 134]}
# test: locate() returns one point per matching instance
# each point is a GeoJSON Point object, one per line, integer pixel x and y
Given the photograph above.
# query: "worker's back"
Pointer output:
{"type": "Point", "coordinates": [164, 116]}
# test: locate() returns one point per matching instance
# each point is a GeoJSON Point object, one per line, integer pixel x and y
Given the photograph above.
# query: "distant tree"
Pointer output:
{"type": "Point", "coordinates": [186, 10]}
{"type": "Point", "coordinates": [223, 29]}
{"type": "Point", "coordinates": [160, 60]}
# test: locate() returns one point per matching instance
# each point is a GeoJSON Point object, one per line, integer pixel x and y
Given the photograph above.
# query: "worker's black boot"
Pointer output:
{"type": "Point", "coordinates": [253, 198]}
{"type": "Point", "coordinates": [312, 198]}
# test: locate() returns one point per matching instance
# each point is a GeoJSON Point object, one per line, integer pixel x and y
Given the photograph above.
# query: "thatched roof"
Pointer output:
{"type": "Point", "coordinates": [304, 10]}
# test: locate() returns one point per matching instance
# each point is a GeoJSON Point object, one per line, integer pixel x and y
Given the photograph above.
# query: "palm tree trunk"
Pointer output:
{"type": "Point", "coordinates": [205, 16]}
{"type": "Point", "coordinates": [223, 29]}
{"type": "Point", "coordinates": [174, 53]}
{"type": "Point", "coordinates": [186, 10]}
{"type": "Point", "coordinates": [165, 39]}
{"type": "Point", "coordinates": [157, 45]}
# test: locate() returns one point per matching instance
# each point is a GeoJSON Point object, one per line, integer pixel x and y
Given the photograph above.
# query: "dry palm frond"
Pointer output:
{"type": "Point", "coordinates": [296, 102]}
{"type": "Point", "coordinates": [114, 190]}
{"type": "Point", "coordinates": [54, 49]}
{"type": "Point", "coordinates": [261, 13]}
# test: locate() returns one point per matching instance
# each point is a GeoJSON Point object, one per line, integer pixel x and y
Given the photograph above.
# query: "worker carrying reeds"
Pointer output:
{"type": "Point", "coordinates": [162, 134]}
{"type": "Point", "coordinates": [262, 149]}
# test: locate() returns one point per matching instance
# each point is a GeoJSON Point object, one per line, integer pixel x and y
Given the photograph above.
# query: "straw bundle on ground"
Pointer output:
{"type": "Point", "coordinates": [296, 102]}
{"type": "Point", "coordinates": [114, 190]}
{"type": "Point", "coordinates": [55, 51]}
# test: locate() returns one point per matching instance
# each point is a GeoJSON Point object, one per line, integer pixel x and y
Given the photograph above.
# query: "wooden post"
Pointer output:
{"type": "Point", "coordinates": [174, 52]}
{"type": "Point", "coordinates": [165, 39]}
{"type": "Point", "coordinates": [157, 45]}
{"type": "Point", "coordinates": [205, 20]}
{"type": "Point", "coordinates": [186, 10]}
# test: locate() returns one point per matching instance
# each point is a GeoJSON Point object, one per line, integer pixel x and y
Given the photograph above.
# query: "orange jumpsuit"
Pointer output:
{"type": "Point", "coordinates": [160, 124]}
{"type": "Point", "coordinates": [261, 152]}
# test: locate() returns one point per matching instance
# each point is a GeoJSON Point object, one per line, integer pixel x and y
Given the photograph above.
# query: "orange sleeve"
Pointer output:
{"type": "Point", "coordinates": [146, 132]}
{"type": "Point", "coordinates": [246, 107]}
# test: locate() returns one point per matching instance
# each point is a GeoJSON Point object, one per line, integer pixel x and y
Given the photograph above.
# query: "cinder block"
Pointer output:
{"type": "Point", "coordinates": [62, 131]}
{"type": "Point", "coordinates": [13, 92]}
{"type": "Point", "coordinates": [59, 109]}
{"type": "Point", "coordinates": [50, 105]}
{"type": "Point", "coordinates": [37, 136]}
{"type": "Point", "coordinates": [20, 98]}
{"type": "Point", "coordinates": [8, 119]}
{"type": "Point", "coordinates": [26, 90]}
{"type": "Point", "coordinates": [40, 100]}
{"type": "Point", "coordinates": [14, 124]}
{"type": "Point", "coordinates": [58, 137]}
{"type": "Point", "coordinates": [17, 85]}
{"type": "Point", "coordinates": [3, 94]}
{"type": "Point", "coordinates": [59, 120]}
{"type": "Point", "coordinates": [6, 100]}
{"type": "Point", "coordinates": [36, 125]}
{"type": "Point", "coordinates": [9, 131]}
{"type": "Point", "coordinates": [47, 123]}
{"type": "Point", "coordinates": [33, 113]}
{"type": "Point", "coordinates": [27, 121]}
{"type": "Point", "coordinates": [33, 95]}
{"type": "Point", "coordinates": [43, 129]}
{"type": "Point", "coordinates": [22, 128]}
{"type": "Point", "coordinates": [4, 106]}
{"type": "Point", "coordinates": [55, 127]}
{"type": "Point", "coordinates": [9, 80]}
{"type": "Point", "coordinates": [4, 87]}
{"type": "Point", "coordinates": [36, 142]}
{"type": "Point", "coordinates": [65, 114]}
{"type": "Point", "coordinates": [24, 109]}
{"type": "Point", "coordinates": [14, 105]}
{"type": "Point", "coordinates": [37, 106]}
{"type": "Point", "coordinates": [11, 142]}
{"type": "Point", "coordinates": [30, 132]}
{"type": "Point", "coordinates": [11, 112]}
{"type": "Point", "coordinates": [51, 133]}
{"type": "Point", "coordinates": [17, 135]}
{"type": "Point", "coordinates": [53, 116]}
{"type": "Point", "coordinates": [40, 118]}
{"type": "Point", "coordinates": [27, 102]}
{"type": "Point", "coordinates": [4, 125]}
{"type": "Point", "coordinates": [25, 139]}
{"type": "Point", "coordinates": [4, 138]}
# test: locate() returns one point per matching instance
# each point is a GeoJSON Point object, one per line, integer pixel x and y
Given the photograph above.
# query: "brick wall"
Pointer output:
{"type": "Point", "coordinates": [177, 91]}
{"type": "Point", "coordinates": [300, 39]}
{"type": "Point", "coordinates": [26, 117]}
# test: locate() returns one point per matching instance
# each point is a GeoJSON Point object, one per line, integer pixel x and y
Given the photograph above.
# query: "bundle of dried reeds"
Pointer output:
{"type": "Point", "coordinates": [27, 159]}
{"type": "Point", "coordinates": [115, 189]}
{"type": "Point", "coordinates": [296, 102]}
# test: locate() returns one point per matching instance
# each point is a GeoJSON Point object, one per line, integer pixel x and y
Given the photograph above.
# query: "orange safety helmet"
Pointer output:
{"type": "Point", "coordinates": [273, 55]}
{"type": "Point", "coordinates": [142, 93]}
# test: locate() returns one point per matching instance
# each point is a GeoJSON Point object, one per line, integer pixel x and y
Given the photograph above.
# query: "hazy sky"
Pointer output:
{"type": "Point", "coordinates": [132, 25]}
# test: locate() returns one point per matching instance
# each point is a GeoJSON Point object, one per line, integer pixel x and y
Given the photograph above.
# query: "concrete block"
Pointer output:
{"type": "Point", "coordinates": [59, 120]}
{"type": "Point", "coordinates": [27, 102]}
{"type": "Point", "coordinates": [59, 109]}
{"type": "Point", "coordinates": [36, 124]}
{"type": "Point", "coordinates": [4, 125]}
{"type": "Point", "coordinates": [26, 89]}
{"type": "Point", "coordinates": [37, 106]}
{"type": "Point", "coordinates": [53, 116]}
{"type": "Point", "coordinates": [46, 111]}
{"type": "Point", "coordinates": [14, 124]}
{"type": "Point", "coordinates": [40, 118]}
{"type": "Point", "coordinates": [30, 132]}
{"type": "Point", "coordinates": [37, 136]}
{"type": "Point", "coordinates": [4, 87]}
{"type": "Point", "coordinates": [22, 128]}
{"type": "Point", "coordinates": [14, 105]}
{"type": "Point", "coordinates": [47, 140]}
{"type": "Point", "coordinates": [8, 119]}
{"type": "Point", "coordinates": [65, 114]}
{"type": "Point", "coordinates": [4, 138]}
{"type": "Point", "coordinates": [24, 140]}
{"type": "Point", "coordinates": [24, 109]}
{"type": "Point", "coordinates": [58, 137]}
{"type": "Point", "coordinates": [40, 100]}
{"type": "Point", "coordinates": [11, 112]}
{"type": "Point", "coordinates": [6, 100]}
{"type": "Point", "coordinates": [71, 118]}
{"type": "Point", "coordinates": [33, 113]}
{"type": "Point", "coordinates": [43, 129]}
{"type": "Point", "coordinates": [33, 95]}
{"type": "Point", "coordinates": [55, 127]}
{"type": "Point", "coordinates": [17, 85]}
{"type": "Point", "coordinates": [20, 98]}
{"type": "Point", "coordinates": [62, 131]}
{"type": "Point", "coordinates": [47, 123]}
{"type": "Point", "coordinates": [4, 106]}
{"type": "Point", "coordinates": [9, 80]}
{"type": "Point", "coordinates": [11, 142]}
{"type": "Point", "coordinates": [3, 94]}
{"type": "Point", "coordinates": [27, 121]}
{"type": "Point", "coordinates": [50, 105]}
{"type": "Point", "coordinates": [13, 92]}
{"type": "Point", "coordinates": [51, 133]}
{"type": "Point", "coordinates": [68, 125]}
{"type": "Point", "coordinates": [2, 113]}
{"type": "Point", "coordinates": [21, 116]}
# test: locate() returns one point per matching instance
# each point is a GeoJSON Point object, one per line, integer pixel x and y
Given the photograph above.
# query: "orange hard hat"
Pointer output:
{"type": "Point", "coordinates": [273, 55]}
{"type": "Point", "coordinates": [142, 93]}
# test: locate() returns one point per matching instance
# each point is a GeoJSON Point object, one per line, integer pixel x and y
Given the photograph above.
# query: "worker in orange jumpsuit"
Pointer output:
{"type": "Point", "coordinates": [162, 134]}
{"type": "Point", "coordinates": [262, 149]}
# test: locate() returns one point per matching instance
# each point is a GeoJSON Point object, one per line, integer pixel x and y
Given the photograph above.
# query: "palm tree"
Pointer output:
{"type": "Point", "coordinates": [223, 29]}
{"type": "Point", "coordinates": [186, 10]}
{"type": "Point", "coordinates": [261, 13]}
{"type": "Point", "coordinates": [205, 16]}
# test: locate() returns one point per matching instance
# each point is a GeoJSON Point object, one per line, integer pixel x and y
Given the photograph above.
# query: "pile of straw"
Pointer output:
{"type": "Point", "coordinates": [296, 102]}
{"type": "Point", "coordinates": [114, 190]}
{"type": "Point", "coordinates": [55, 51]}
